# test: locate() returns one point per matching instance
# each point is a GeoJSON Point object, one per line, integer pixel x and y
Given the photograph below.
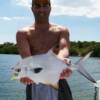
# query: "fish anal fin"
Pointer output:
{"type": "Point", "coordinates": [55, 86]}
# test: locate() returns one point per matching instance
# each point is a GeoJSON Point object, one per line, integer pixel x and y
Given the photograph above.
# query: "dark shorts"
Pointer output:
{"type": "Point", "coordinates": [44, 92]}
{"type": "Point", "coordinates": [41, 92]}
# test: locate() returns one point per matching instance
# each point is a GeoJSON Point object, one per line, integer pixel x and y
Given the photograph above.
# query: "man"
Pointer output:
{"type": "Point", "coordinates": [38, 39]}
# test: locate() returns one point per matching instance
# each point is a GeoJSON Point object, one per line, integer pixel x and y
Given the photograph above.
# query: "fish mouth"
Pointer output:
{"type": "Point", "coordinates": [14, 76]}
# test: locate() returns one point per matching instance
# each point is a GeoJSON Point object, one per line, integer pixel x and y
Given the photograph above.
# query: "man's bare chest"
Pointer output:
{"type": "Point", "coordinates": [39, 41]}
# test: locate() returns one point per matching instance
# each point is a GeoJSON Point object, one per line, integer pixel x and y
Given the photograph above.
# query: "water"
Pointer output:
{"type": "Point", "coordinates": [82, 89]}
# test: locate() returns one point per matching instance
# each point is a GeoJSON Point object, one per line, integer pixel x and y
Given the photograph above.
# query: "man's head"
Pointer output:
{"type": "Point", "coordinates": [41, 8]}
{"type": "Point", "coordinates": [41, 2]}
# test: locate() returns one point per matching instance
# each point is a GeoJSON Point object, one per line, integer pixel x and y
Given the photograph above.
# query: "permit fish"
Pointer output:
{"type": "Point", "coordinates": [43, 68]}
{"type": "Point", "coordinates": [46, 68]}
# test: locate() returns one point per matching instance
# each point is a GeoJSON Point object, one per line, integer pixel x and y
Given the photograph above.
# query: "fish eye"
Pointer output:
{"type": "Point", "coordinates": [18, 70]}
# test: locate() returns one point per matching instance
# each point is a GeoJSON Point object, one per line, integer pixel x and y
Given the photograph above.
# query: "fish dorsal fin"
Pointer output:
{"type": "Point", "coordinates": [50, 52]}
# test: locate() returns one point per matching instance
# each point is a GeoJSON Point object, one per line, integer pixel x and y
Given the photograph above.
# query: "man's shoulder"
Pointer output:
{"type": "Point", "coordinates": [25, 30]}
{"type": "Point", "coordinates": [59, 28]}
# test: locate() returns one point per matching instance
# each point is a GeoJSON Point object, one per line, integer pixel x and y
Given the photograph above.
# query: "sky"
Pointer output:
{"type": "Point", "coordinates": [81, 17]}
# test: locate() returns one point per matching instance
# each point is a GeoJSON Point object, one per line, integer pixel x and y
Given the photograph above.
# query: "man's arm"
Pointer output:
{"type": "Point", "coordinates": [24, 50]}
{"type": "Point", "coordinates": [64, 44]}
{"type": "Point", "coordinates": [23, 44]}
{"type": "Point", "coordinates": [63, 53]}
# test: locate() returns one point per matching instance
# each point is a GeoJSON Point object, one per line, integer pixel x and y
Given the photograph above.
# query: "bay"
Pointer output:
{"type": "Point", "coordinates": [81, 88]}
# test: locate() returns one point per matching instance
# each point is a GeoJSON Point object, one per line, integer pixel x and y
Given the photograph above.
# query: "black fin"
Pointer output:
{"type": "Point", "coordinates": [37, 70]}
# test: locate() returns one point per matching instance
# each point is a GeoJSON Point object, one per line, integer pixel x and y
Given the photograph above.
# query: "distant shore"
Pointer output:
{"type": "Point", "coordinates": [76, 49]}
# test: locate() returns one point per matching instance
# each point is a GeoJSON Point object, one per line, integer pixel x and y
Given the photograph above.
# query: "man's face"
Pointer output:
{"type": "Point", "coordinates": [41, 8]}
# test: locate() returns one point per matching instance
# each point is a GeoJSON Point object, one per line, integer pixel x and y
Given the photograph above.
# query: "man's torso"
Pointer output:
{"type": "Point", "coordinates": [42, 41]}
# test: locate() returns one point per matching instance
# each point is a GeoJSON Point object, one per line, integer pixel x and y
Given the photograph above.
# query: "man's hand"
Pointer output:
{"type": "Point", "coordinates": [67, 61]}
{"type": "Point", "coordinates": [66, 72]}
{"type": "Point", "coordinates": [26, 81]}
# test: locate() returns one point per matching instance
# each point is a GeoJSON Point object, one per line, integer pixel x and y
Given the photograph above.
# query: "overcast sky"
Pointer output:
{"type": "Point", "coordinates": [81, 17]}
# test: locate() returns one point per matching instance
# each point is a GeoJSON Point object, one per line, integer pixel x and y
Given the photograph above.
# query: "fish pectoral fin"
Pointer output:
{"type": "Point", "coordinates": [37, 70]}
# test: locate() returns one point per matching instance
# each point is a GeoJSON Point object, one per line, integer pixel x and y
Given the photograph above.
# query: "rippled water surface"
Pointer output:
{"type": "Point", "coordinates": [82, 89]}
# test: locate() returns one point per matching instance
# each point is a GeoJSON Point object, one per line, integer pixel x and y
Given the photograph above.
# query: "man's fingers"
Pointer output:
{"type": "Point", "coordinates": [67, 61]}
{"type": "Point", "coordinates": [65, 73]}
{"type": "Point", "coordinates": [26, 81]}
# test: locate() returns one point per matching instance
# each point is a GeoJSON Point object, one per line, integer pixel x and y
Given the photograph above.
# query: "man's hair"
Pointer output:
{"type": "Point", "coordinates": [33, 1]}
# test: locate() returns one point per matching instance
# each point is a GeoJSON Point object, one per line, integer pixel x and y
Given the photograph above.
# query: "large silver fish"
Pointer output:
{"type": "Point", "coordinates": [43, 68]}
{"type": "Point", "coordinates": [46, 68]}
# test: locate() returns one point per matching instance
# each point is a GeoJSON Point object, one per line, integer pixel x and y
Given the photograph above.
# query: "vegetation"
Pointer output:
{"type": "Point", "coordinates": [77, 48]}
{"type": "Point", "coordinates": [8, 48]}
{"type": "Point", "coordinates": [81, 48]}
